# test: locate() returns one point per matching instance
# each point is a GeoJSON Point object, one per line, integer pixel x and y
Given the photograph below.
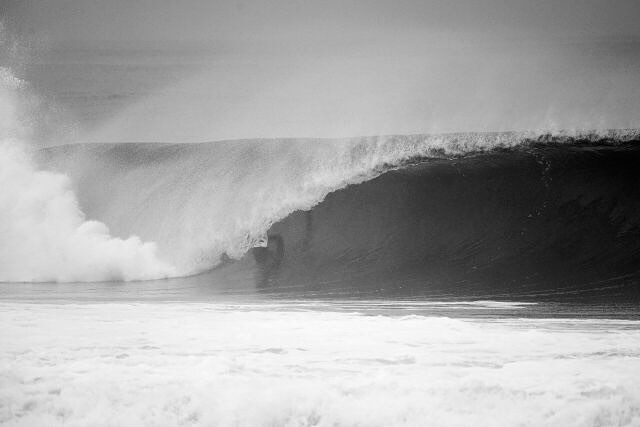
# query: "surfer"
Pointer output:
{"type": "Point", "coordinates": [270, 250]}
{"type": "Point", "coordinates": [268, 256]}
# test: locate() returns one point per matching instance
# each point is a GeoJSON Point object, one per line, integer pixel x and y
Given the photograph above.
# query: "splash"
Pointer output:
{"type": "Point", "coordinates": [44, 235]}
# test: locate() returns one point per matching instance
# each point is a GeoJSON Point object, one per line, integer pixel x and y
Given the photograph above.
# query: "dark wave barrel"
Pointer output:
{"type": "Point", "coordinates": [547, 221]}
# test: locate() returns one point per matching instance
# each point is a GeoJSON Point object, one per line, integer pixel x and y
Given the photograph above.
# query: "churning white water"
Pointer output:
{"type": "Point", "coordinates": [44, 236]}
{"type": "Point", "coordinates": [273, 364]}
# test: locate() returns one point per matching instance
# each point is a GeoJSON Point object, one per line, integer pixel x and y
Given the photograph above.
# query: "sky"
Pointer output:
{"type": "Point", "coordinates": [297, 21]}
{"type": "Point", "coordinates": [334, 67]}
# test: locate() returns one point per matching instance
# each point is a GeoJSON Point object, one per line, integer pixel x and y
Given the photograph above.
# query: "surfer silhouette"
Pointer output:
{"type": "Point", "coordinates": [268, 256]}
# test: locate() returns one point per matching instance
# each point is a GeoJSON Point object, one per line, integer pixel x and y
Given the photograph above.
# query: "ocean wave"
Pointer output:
{"type": "Point", "coordinates": [208, 202]}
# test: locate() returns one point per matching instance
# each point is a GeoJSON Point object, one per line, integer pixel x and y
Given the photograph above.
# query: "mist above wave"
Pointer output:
{"type": "Point", "coordinates": [419, 85]}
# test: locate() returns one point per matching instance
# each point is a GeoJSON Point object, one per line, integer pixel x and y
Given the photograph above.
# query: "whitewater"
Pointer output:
{"type": "Point", "coordinates": [313, 364]}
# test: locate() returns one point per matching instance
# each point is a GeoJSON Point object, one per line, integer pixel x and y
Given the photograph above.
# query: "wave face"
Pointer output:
{"type": "Point", "coordinates": [483, 213]}
{"type": "Point", "coordinates": [541, 221]}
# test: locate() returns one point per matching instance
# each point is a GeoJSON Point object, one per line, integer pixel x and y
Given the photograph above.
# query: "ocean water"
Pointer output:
{"type": "Point", "coordinates": [445, 279]}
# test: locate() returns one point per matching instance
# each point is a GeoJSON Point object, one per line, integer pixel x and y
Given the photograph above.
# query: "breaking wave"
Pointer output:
{"type": "Point", "coordinates": [469, 209]}
{"type": "Point", "coordinates": [391, 212]}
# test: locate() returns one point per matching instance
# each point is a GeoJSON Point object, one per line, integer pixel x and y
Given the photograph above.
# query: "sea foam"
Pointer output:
{"type": "Point", "coordinates": [246, 365]}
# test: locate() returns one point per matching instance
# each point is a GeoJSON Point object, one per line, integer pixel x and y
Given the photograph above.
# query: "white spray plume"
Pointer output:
{"type": "Point", "coordinates": [44, 236]}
